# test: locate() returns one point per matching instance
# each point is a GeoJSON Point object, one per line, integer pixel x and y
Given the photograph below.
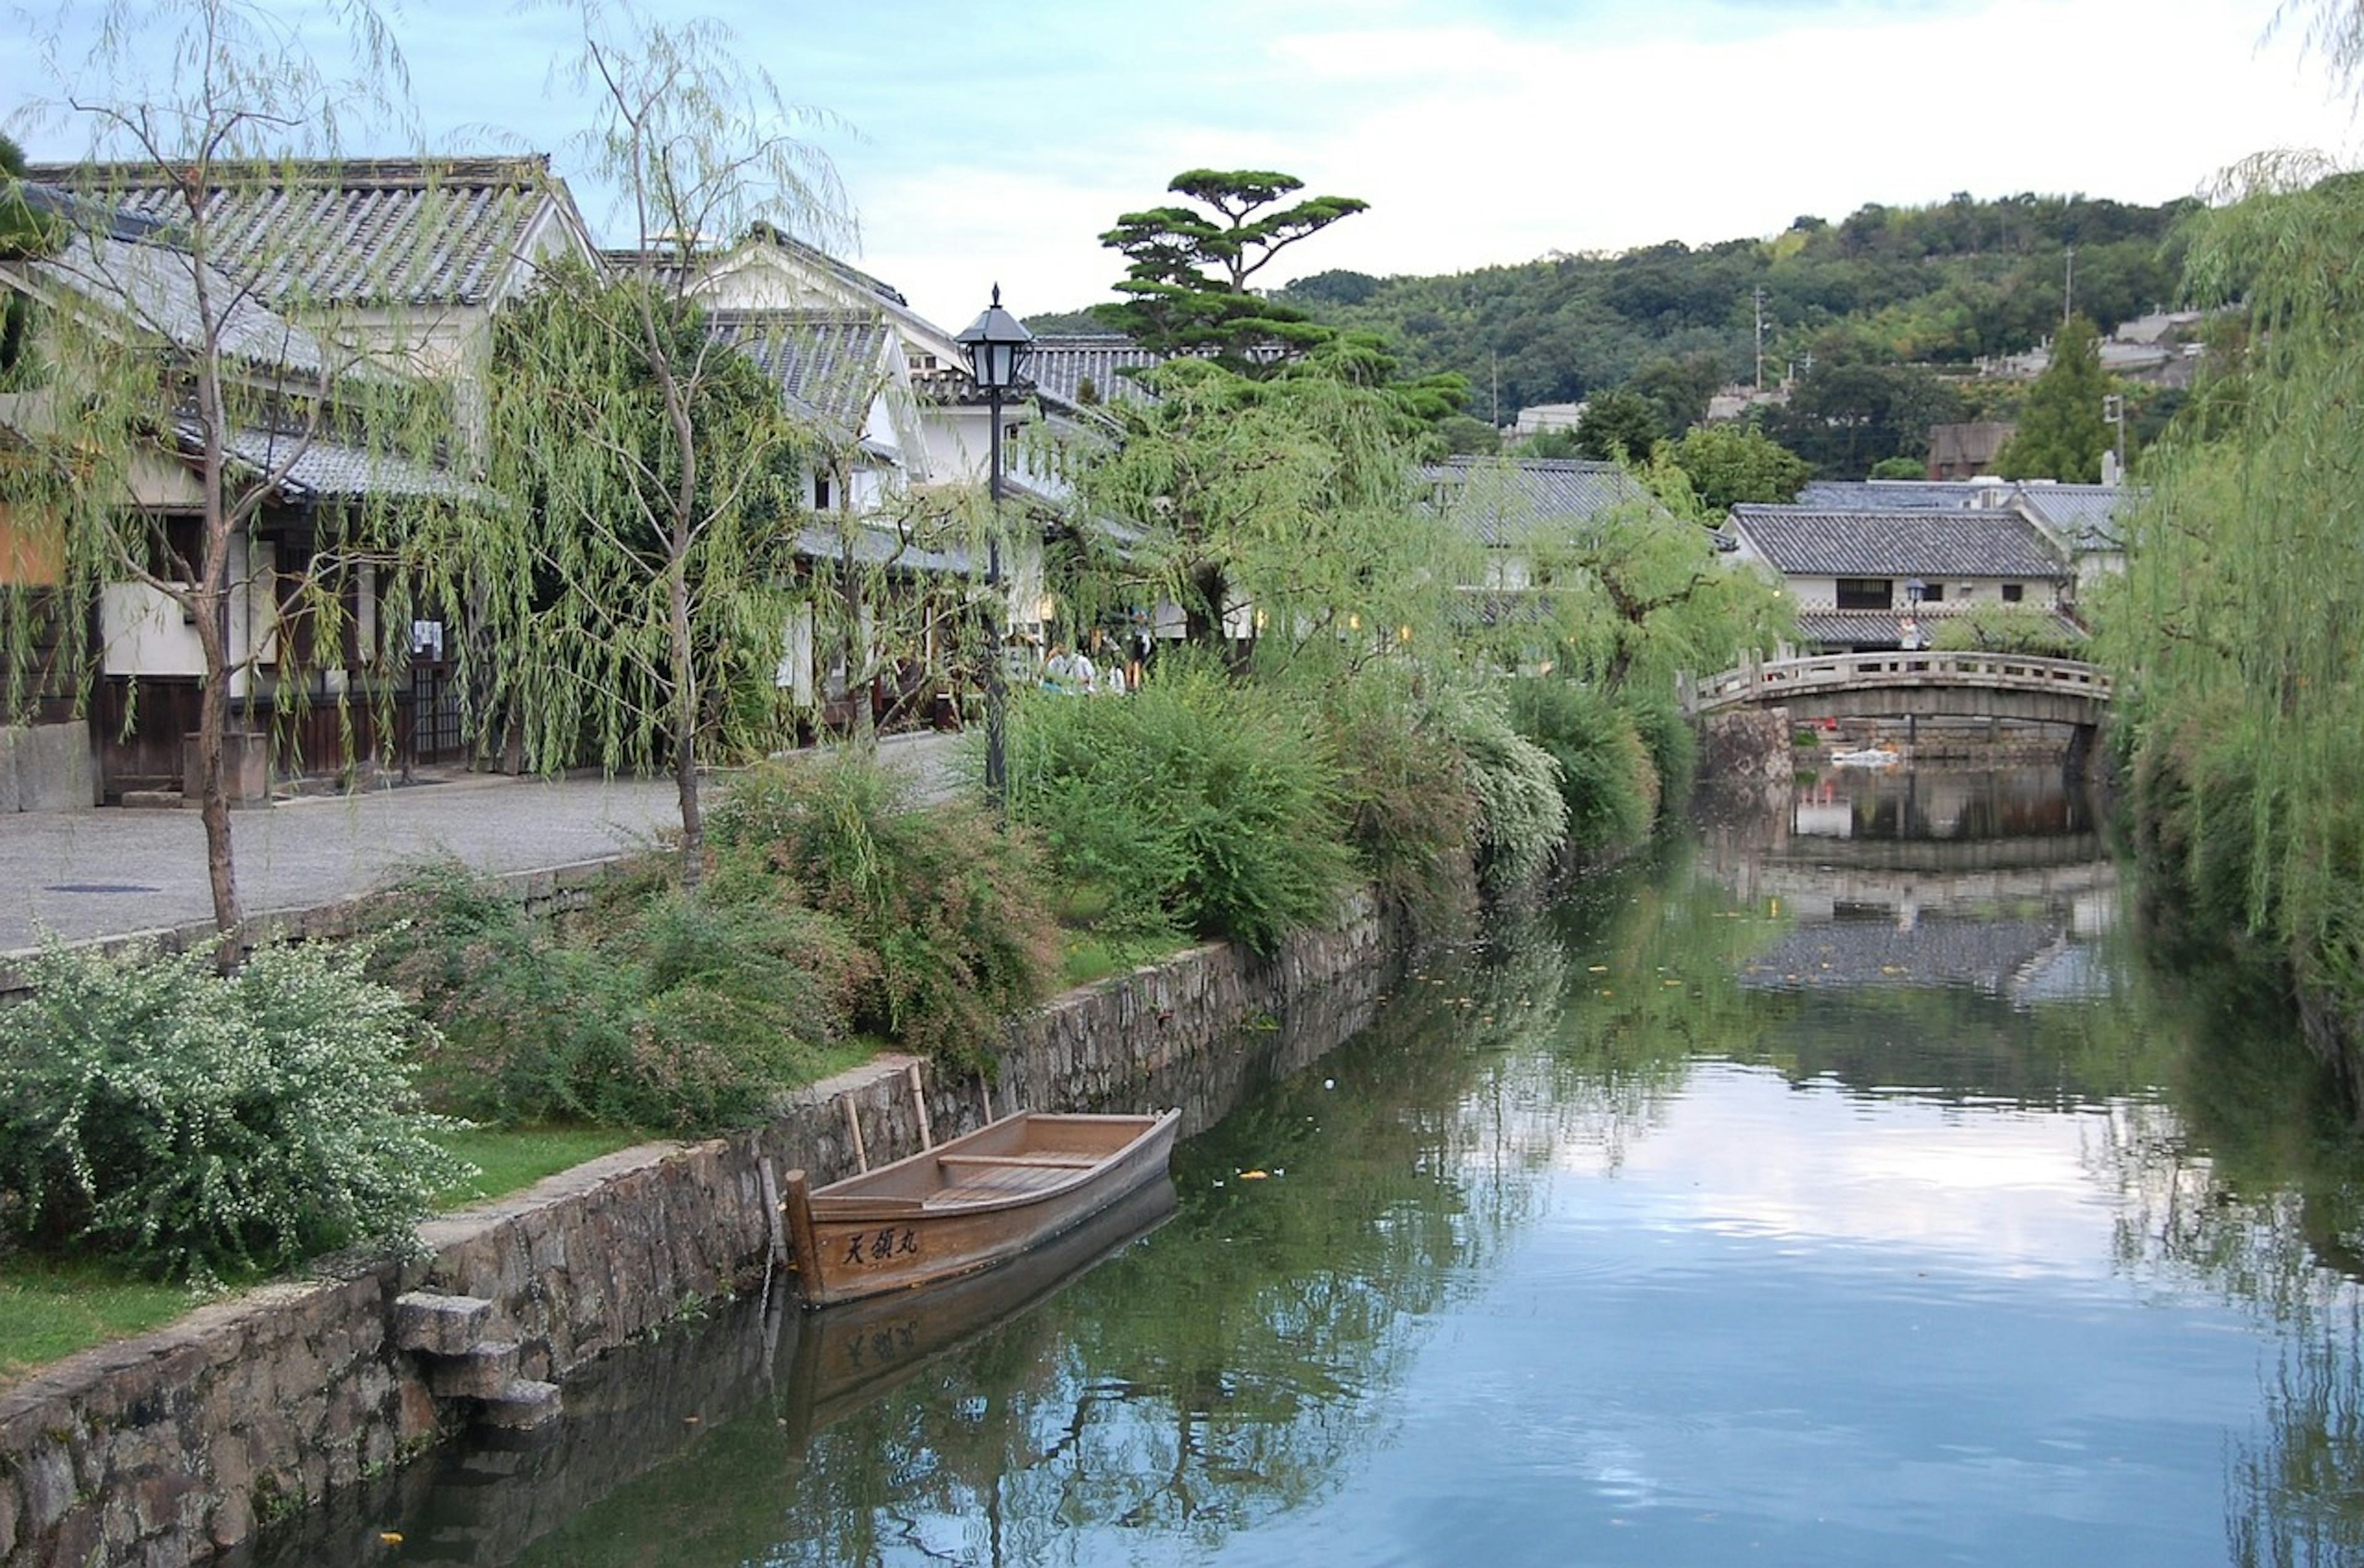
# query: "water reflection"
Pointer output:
{"type": "Point", "coordinates": [1757, 1203]}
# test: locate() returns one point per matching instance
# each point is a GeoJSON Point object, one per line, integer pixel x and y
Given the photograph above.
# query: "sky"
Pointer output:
{"type": "Point", "coordinates": [979, 144]}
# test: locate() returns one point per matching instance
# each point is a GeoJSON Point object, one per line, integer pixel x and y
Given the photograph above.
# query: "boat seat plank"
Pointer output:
{"type": "Point", "coordinates": [1002, 1183]}
{"type": "Point", "coordinates": [1057, 1161]}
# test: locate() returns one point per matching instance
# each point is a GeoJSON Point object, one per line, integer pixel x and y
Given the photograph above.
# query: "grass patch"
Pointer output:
{"type": "Point", "coordinates": [508, 1158]}
{"type": "Point", "coordinates": [52, 1307]}
{"type": "Point", "coordinates": [1087, 956]}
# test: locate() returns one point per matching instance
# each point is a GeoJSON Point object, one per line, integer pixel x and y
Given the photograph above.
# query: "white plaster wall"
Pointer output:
{"type": "Point", "coordinates": [142, 630]}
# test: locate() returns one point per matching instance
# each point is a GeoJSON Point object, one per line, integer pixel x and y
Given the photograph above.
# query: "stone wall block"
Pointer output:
{"type": "Point", "coordinates": [48, 1479]}
{"type": "Point", "coordinates": [443, 1325]}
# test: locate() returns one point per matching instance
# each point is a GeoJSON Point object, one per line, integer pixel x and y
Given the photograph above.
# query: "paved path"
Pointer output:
{"type": "Point", "coordinates": [82, 874]}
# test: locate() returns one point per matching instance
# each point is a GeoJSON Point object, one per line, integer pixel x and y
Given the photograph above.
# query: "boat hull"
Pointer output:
{"type": "Point", "coordinates": [905, 1226]}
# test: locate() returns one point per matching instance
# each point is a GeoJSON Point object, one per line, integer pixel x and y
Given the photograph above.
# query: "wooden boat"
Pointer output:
{"type": "Point", "coordinates": [968, 1204]}
{"type": "Point", "coordinates": [851, 1355]}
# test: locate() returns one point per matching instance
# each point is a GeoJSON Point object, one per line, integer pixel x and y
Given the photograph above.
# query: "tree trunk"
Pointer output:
{"type": "Point", "coordinates": [213, 797]}
{"type": "Point", "coordinates": [684, 736]}
{"type": "Point", "coordinates": [1203, 616]}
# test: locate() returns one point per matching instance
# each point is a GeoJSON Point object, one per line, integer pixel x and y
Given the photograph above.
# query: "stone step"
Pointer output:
{"type": "Point", "coordinates": [521, 1404]}
{"type": "Point", "coordinates": [480, 1373]}
{"type": "Point", "coordinates": [440, 1325]}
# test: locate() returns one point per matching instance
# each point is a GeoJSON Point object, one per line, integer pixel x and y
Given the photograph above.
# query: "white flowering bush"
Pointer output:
{"type": "Point", "coordinates": [1523, 819]}
{"type": "Point", "coordinates": [202, 1125]}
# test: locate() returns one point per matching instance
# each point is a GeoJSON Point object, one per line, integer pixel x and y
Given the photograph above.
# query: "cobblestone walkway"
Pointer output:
{"type": "Point", "coordinates": [85, 875]}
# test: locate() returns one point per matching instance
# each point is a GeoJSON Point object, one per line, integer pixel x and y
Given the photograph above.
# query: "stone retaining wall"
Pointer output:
{"type": "Point", "coordinates": [161, 1450]}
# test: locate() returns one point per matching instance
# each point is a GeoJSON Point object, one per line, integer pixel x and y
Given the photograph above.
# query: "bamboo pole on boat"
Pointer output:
{"type": "Point", "coordinates": [919, 1103]}
{"type": "Point", "coordinates": [853, 1126]}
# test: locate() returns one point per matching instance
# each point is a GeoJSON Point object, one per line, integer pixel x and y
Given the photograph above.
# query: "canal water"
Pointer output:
{"type": "Point", "coordinates": [1838, 1187]}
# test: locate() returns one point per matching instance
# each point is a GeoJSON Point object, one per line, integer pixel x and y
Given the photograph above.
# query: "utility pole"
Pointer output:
{"type": "Point", "coordinates": [1495, 376]}
{"type": "Point", "coordinates": [2068, 288]}
{"type": "Point", "coordinates": [1760, 336]}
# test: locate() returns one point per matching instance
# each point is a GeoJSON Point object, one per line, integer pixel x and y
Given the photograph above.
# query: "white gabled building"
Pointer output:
{"type": "Point", "coordinates": [1859, 577]}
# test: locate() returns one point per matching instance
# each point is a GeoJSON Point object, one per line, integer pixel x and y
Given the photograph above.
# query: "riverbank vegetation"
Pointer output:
{"type": "Point", "coordinates": [2234, 636]}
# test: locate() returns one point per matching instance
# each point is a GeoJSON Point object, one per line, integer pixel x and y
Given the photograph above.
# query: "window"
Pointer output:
{"type": "Point", "coordinates": [921, 361]}
{"type": "Point", "coordinates": [176, 548]}
{"type": "Point", "coordinates": [1866, 594]}
{"type": "Point", "coordinates": [1933, 593]}
{"type": "Point", "coordinates": [2013, 593]}
{"type": "Point", "coordinates": [821, 493]}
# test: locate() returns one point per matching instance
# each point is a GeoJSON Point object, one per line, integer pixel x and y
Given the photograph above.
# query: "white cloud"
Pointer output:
{"type": "Point", "coordinates": [1478, 146]}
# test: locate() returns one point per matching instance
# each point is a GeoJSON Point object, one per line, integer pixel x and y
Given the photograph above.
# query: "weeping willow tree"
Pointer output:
{"type": "Point", "coordinates": [177, 385]}
{"type": "Point", "coordinates": [639, 565]}
{"type": "Point", "coordinates": [2235, 634]}
{"type": "Point", "coordinates": [1284, 511]}
{"type": "Point", "coordinates": [1628, 591]}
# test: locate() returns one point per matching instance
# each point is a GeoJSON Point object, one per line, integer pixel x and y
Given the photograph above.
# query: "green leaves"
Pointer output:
{"type": "Point", "coordinates": [206, 1125]}
{"type": "Point", "coordinates": [2062, 435]}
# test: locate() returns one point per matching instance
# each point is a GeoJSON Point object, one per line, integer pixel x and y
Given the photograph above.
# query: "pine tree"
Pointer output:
{"type": "Point", "coordinates": [2060, 434]}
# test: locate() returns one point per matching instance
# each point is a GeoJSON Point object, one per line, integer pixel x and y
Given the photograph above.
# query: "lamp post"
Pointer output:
{"type": "Point", "coordinates": [996, 343]}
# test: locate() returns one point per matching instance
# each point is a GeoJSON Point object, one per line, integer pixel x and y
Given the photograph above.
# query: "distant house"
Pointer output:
{"type": "Point", "coordinates": [1537, 417]}
{"type": "Point", "coordinates": [2088, 522]}
{"type": "Point", "coordinates": [1963, 451]}
{"type": "Point", "coordinates": [1891, 494]}
{"type": "Point", "coordinates": [1871, 581]}
{"type": "Point", "coordinates": [1518, 509]}
{"type": "Point", "coordinates": [2085, 523]}
{"type": "Point", "coordinates": [1523, 515]}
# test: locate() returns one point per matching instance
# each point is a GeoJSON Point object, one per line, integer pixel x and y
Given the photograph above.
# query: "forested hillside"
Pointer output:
{"type": "Point", "coordinates": [1944, 284]}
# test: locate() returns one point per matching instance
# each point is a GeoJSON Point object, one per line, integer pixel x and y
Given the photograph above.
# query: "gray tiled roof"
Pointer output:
{"type": "Point", "coordinates": [1061, 365]}
{"type": "Point", "coordinates": [2090, 516]}
{"type": "Point", "coordinates": [154, 287]}
{"type": "Point", "coordinates": [830, 364]}
{"type": "Point", "coordinates": [877, 544]}
{"type": "Point", "coordinates": [351, 232]}
{"type": "Point", "coordinates": [1891, 495]}
{"type": "Point", "coordinates": [1936, 950]}
{"type": "Point", "coordinates": [322, 470]}
{"type": "Point", "coordinates": [1881, 626]}
{"type": "Point", "coordinates": [1505, 499]}
{"type": "Point", "coordinates": [1801, 541]}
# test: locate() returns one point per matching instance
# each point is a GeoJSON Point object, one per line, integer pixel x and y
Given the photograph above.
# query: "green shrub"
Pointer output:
{"type": "Point", "coordinates": [202, 1125]}
{"type": "Point", "coordinates": [1410, 814]}
{"type": "Point", "coordinates": [1669, 741]}
{"type": "Point", "coordinates": [2006, 629]}
{"type": "Point", "coordinates": [1212, 802]}
{"type": "Point", "coordinates": [950, 909]}
{"type": "Point", "coordinates": [655, 1010]}
{"type": "Point", "coordinates": [1606, 779]}
{"type": "Point", "coordinates": [1523, 819]}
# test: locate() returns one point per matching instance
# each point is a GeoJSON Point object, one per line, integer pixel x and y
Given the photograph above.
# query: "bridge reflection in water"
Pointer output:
{"type": "Point", "coordinates": [1994, 880]}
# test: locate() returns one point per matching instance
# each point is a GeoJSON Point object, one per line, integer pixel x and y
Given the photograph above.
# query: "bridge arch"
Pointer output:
{"type": "Point", "coordinates": [1925, 685]}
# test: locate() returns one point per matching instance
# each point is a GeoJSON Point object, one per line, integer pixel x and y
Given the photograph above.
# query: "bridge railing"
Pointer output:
{"type": "Point", "coordinates": [1776, 681]}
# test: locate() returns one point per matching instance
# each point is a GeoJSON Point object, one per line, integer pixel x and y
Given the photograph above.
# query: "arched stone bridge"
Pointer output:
{"type": "Point", "coordinates": [1924, 685]}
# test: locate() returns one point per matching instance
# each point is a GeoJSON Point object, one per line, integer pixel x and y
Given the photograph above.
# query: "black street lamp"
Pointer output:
{"type": "Point", "coordinates": [996, 343]}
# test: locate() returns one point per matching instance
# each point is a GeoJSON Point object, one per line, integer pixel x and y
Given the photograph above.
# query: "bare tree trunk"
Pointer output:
{"type": "Point", "coordinates": [685, 733]}
{"type": "Point", "coordinates": [213, 725]}
{"type": "Point", "coordinates": [211, 600]}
